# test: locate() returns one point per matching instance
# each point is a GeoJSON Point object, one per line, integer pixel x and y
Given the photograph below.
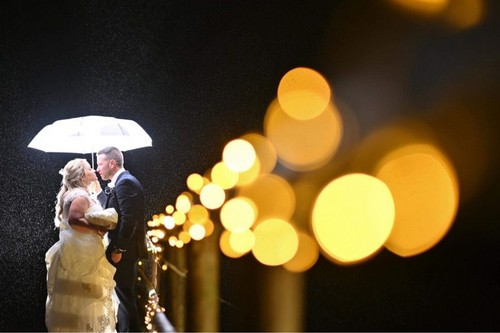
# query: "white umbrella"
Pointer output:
{"type": "Point", "coordinates": [90, 133]}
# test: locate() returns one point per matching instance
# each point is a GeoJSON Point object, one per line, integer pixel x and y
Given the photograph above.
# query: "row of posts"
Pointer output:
{"type": "Point", "coordinates": [189, 290]}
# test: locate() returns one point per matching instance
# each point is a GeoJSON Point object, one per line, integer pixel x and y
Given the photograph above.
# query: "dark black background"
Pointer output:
{"type": "Point", "coordinates": [197, 74]}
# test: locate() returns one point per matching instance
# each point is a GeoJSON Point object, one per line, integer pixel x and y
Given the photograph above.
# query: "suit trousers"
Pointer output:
{"type": "Point", "coordinates": [128, 316]}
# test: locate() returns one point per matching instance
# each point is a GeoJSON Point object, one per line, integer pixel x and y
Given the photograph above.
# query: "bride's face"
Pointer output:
{"type": "Point", "coordinates": [89, 176]}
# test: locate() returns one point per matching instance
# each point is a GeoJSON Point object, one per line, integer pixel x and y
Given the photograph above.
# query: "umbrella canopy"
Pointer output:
{"type": "Point", "coordinates": [90, 133]}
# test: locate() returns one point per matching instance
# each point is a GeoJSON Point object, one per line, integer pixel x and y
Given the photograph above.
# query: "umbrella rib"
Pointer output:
{"type": "Point", "coordinates": [81, 126]}
{"type": "Point", "coordinates": [121, 129]}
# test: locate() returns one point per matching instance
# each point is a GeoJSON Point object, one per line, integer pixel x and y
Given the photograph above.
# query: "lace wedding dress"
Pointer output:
{"type": "Point", "coordinates": [80, 285]}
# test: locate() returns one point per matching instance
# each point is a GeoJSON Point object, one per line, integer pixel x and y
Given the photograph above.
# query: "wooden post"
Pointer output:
{"type": "Point", "coordinates": [282, 303]}
{"type": "Point", "coordinates": [204, 279]}
{"type": "Point", "coordinates": [173, 287]}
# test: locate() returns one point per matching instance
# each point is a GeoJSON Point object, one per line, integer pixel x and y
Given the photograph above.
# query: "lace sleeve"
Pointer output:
{"type": "Point", "coordinates": [72, 195]}
{"type": "Point", "coordinates": [75, 193]}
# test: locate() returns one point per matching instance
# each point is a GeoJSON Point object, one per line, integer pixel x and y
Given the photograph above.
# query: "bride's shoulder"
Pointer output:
{"type": "Point", "coordinates": [74, 193]}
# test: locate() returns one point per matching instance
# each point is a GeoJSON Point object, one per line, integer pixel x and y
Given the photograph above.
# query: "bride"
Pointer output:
{"type": "Point", "coordinates": [80, 285]}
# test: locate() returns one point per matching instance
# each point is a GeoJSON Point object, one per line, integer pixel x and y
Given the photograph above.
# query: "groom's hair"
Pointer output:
{"type": "Point", "coordinates": [112, 153]}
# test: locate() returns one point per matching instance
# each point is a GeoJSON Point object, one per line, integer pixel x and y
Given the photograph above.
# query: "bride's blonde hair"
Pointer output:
{"type": "Point", "coordinates": [73, 174]}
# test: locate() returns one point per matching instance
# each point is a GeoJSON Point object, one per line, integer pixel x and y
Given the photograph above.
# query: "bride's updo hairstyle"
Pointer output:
{"type": "Point", "coordinates": [73, 174]}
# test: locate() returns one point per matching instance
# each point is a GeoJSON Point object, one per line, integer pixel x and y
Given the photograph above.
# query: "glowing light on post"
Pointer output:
{"type": "Point", "coordinates": [209, 227]}
{"type": "Point", "coordinates": [238, 214]}
{"type": "Point", "coordinates": [169, 209]}
{"type": "Point", "coordinates": [426, 7]}
{"type": "Point", "coordinates": [276, 242]}
{"type": "Point", "coordinates": [195, 182]}
{"type": "Point", "coordinates": [242, 242]}
{"type": "Point", "coordinates": [184, 237]}
{"type": "Point", "coordinates": [179, 217]}
{"type": "Point", "coordinates": [304, 145]}
{"type": "Point", "coordinates": [226, 248]}
{"type": "Point", "coordinates": [425, 191]}
{"type": "Point", "coordinates": [198, 214]}
{"type": "Point", "coordinates": [306, 256]}
{"type": "Point", "coordinates": [212, 196]}
{"type": "Point", "coordinates": [265, 151]}
{"type": "Point", "coordinates": [249, 176]}
{"type": "Point", "coordinates": [352, 217]}
{"type": "Point", "coordinates": [465, 14]}
{"type": "Point", "coordinates": [303, 93]}
{"type": "Point", "coordinates": [183, 203]}
{"type": "Point", "coordinates": [197, 231]}
{"type": "Point", "coordinates": [222, 175]}
{"type": "Point", "coordinates": [273, 196]}
{"type": "Point", "coordinates": [169, 222]}
{"type": "Point", "coordinates": [172, 240]}
{"type": "Point", "coordinates": [238, 155]}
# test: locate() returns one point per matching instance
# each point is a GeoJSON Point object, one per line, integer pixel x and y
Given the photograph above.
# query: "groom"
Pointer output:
{"type": "Point", "coordinates": [128, 240]}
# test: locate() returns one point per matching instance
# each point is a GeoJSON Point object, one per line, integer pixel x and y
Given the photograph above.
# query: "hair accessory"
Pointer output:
{"type": "Point", "coordinates": [62, 173]}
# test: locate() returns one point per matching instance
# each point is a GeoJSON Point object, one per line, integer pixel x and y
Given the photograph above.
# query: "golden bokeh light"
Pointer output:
{"type": "Point", "coordinates": [273, 196]}
{"type": "Point", "coordinates": [426, 195]}
{"type": "Point", "coordinates": [172, 240]}
{"type": "Point", "coordinates": [303, 93]}
{"type": "Point", "coordinates": [168, 222]}
{"type": "Point", "coordinates": [238, 214]}
{"type": "Point", "coordinates": [276, 242]}
{"type": "Point", "coordinates": [209, 227]}
{"type": "Point", "coordinates": [352, 217]}
{"type": "Point", "coordinates": [242, 242]}
{"type": "Point", "coordinates": [179, 217]}
{"type": "Point", "coordinates": [183, 203]}
{"type": "Point", "coordinates": [239, 155]}
{"type": "Point", "coordinates": [222, 175]}
{"type": "Point", "coordinates": [212, 196]}
{"type": "Point", "coordinates": [405, 201]}
{"type": "Point", "coordinates": [249, 176]}
{"type": "Point", "coordinates": [265, 151]}
{"type": "Point", "coordinates": [304, 145]}
{"type": "Point", "coordinates": [197, 231]}
{"type": "Point", "coordinates": [465, 14]}
{"type": "Point", "coordinates": [458, 14]}
{"type": "Point", "coordinates": [306, 256]}
{"type": "Point", "coordinates": [226, 248]}
{"type": "Point", "coordinates": [424, 7]}
{"type": "Point", "coordinates": [169, 209]}
{"type": "Point", "coordinates": [184, 237]}
{"type": "Point", "coordinates": [186, 225]}
{"type": "Point", "coordinates": [195, 182]}
{"type": "Point", "coordinates": [198, 214]}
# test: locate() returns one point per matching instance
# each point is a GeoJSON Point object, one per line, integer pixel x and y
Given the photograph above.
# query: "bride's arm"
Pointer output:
{"type": "Point", "coordinates": [76, 214]}
{"type": "Point", "coordinates": [77, 209]}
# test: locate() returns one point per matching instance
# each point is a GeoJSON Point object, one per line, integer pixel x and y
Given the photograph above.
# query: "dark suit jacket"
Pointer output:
{"type": "Point", "coordinates": [127, 197]}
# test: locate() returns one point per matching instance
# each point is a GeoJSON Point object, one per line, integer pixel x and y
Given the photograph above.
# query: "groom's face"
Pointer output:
{"type": "Point", "coordinates": [105, 167]}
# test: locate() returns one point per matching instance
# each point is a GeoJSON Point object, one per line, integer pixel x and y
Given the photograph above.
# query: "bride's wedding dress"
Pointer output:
{"type": "Point", "coordinates": [80, 285]}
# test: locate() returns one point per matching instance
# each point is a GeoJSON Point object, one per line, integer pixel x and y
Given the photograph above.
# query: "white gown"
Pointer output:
{"type": "Point", "coordinates": [80, 285]}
